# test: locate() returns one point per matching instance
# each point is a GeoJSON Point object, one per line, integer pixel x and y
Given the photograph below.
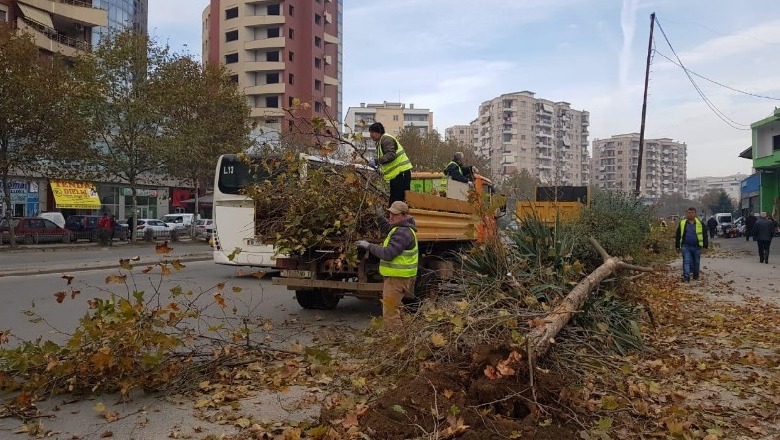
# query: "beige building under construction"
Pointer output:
{"type": "Point", "coordinates": [663, 165]}
{"type": "Point", "coordinates": [518, 131]}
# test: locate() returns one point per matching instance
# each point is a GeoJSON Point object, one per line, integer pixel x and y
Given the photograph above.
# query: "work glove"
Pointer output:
{"type": "Point", "coordinates": [362, 244]}
{"type": "Point", "coordinates": [474, 170]}
{"type": "Point", "coordinates": [375, 163]}
{"type": "Point", "coordinates": [471, 185]}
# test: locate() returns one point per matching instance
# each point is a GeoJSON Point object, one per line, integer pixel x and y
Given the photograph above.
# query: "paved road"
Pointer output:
{"type": "Point", "coordinates": [56, 258]}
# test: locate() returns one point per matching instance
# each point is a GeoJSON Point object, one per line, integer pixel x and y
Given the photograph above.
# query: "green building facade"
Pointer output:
{"type": "Point", "coordinates": [766, 161]}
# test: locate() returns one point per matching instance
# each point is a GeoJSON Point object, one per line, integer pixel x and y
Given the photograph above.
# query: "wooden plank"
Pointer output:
{"type": "Point", "coordinates": [436, 203]}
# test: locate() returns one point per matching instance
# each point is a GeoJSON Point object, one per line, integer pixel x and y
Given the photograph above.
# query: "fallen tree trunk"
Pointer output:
{"type": "Point", "coordinates": [540, 338]}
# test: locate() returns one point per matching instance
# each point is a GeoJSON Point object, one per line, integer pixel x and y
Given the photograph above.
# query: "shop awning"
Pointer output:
{"type": "Point", "coordinates": [206, 199]}
{"type": "Point", "coordinates": [75, 194]}
{"type": "Point", "coordinates": [36, 15]}
{"type": "Point", "coordinates": [747, 153]}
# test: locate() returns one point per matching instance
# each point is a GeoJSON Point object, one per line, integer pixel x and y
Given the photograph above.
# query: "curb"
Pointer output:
{"type": "Point", "coordinates": [54, 247]}
{"type": "Point", "coordinates": [99, 266]}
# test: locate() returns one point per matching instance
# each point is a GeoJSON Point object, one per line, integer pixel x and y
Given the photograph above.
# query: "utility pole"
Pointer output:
{"type": "Point", "coordinates": [644, 108]}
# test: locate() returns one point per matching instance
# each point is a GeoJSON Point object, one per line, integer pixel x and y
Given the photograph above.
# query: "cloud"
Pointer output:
{"type": "Point", "coordinates": [628, 25]}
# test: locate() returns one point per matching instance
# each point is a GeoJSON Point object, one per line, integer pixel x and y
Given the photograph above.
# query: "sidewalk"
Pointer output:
{"type": "Point", "coordinates": [731, 272]}
{"type": "Point", "coordinates": [73, 257]}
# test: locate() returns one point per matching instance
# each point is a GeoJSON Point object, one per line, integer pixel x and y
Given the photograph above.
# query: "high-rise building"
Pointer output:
{"type": "Point", "coordinates": [122, 14]}
{"type": "Point", "coordinates": [517, 131]}
{"type": "Point", "coordinates": [279, 51]}
{"type": "Point", "coordinates": [461, 135]}
{"type": "Point", "coordinates": [65, 27]}
{"type": "Point", "coordinates": [698, 186]}
{"type": "Point", "coordinates": [663, 165]}
{"type": "Point", "coordinates": [394, 116]}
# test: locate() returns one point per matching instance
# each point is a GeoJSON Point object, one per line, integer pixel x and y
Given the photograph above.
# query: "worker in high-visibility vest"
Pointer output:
{"type": "Point", "coordinates": [398, 256]}
{"type": "Point", "coordinates": [392, 161]}
{"type": "Point", "coordinates": [458, 171]}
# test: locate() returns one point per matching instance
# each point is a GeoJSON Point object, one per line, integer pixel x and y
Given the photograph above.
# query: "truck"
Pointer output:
{"type": "Point", "coordinates": [447, 222]}
{"type": "Point", "coordinates": [553, 203]}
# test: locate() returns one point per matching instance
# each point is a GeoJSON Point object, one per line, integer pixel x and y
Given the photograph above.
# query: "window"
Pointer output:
{"type": "Point", "coordinates": [292, 34]}
{"type": "Point", "coordinates": [291, 79]}
{"type": "Point", "coordinates": [318, 63]}
{"type": "Point", "coordinates": [231, 13]}
{"type": "Point", "coordinates": [291, 11]}
{"type": "Point", "coordinates": [234, 78]}
{"type": "Point", "coordinates": [231, 58]}
{"type": "Point", "coordinates": [317, 106]}
{"type": "Point", "coordinates": [231, 36]}
{"type": "Point", "coordinates": [272, 101]}
{"type": "Point", "coordinates": [776, 143]}
{"type": "Point", "coordinates": [271, 78]}
{"type": "Point", "coordinates": [272, 56]}
{"type": "Point", "coordinates": [317, 19]}
{"type": "Point", "coordinates": [290, 102]}
{"type": "Point", "coordinates": [395, 117]}
{"type": "Point", "coordinates": [273, 32]}
{"type": "Point", "coordinates": [274, 9]}
{"type": "Point", "coordinates": [291, 56]}
{"type": "Point", "coordinates": [317, 41]}
{"type": "Point", "coordinates": [317, 84]}
{"type": "Point", "coordinates": [3, 15]}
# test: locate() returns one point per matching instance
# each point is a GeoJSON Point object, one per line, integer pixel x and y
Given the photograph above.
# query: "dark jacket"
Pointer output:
{"type": "Point", "coordinates": [712, 223]}
{"type": "Point", "coordinates": [401, 240]}
{"type": "Point", "coordinates": [678, 235]}
{"type": "Point", "coordinates": [750, 222]}
{"type": "Point", "coordinates": [764, 229]}
{"type": "Point", "coordinates": [458, 172]}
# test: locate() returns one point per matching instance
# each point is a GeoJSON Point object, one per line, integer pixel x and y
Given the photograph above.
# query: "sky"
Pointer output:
{"type": "Point", "coordinates": [451, 55]}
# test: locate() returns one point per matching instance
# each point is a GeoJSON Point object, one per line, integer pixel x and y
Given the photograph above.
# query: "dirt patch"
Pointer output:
{"type": "Point", "coordinates": [465, 404]}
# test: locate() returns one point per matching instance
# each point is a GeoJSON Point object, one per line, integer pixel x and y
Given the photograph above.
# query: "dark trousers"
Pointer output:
{"type": "Point", "coordinates": [713, 231]}
{"type": "Point", "coordinates": [748, 234]}
{"type": "Point", "coordinates": [763, 250]}
{"type": "Point", "coordinates": [399, 185]}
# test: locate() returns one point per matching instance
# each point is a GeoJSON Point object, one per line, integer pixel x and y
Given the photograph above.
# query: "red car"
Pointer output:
{"type": "Point", "coordinates": [29, 230]}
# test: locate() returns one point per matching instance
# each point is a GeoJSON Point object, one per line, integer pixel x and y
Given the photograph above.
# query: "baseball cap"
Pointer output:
{"type": "Point", "coordinates": [399, 207]}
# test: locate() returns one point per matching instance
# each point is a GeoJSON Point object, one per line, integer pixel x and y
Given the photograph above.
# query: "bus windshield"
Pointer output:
{"type": "Point", "coordinates": [236, 174]}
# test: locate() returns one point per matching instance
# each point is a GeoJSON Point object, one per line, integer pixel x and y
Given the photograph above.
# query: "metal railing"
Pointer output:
{"type": "Point", "coordinates": [52, 34]}
{"type": "Point", "coordinates": [82, 3]}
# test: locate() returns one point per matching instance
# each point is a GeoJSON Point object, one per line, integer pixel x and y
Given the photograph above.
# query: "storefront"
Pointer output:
{"type": "Point", "coordinates": [25, 197]}
{"type": "Point", "coordinates": [750, 192]}
{"type": "Point", "coordinates": [88, 198]}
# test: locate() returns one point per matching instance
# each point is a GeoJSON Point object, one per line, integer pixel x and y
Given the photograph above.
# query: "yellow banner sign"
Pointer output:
{"type": "Point", "coordinates": [76, 195]}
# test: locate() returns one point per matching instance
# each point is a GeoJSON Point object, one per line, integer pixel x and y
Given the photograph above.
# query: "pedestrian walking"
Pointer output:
{"type": "Point", "coordinates": [763, 231]}
{"type": "Point", "coordinates": [392, 161]}
{"type": "Point", "coordinates": [399, 256]}
{"type": "Point", "coordinates": [712, 225]}
{"type": "Point", "coordinates": [690, 239]}
{"type": "Point", "coordinates": [749, 223]}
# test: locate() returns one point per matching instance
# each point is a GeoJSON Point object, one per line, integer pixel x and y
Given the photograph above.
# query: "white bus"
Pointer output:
{"type": "Point", "coordinates": [234, 240]}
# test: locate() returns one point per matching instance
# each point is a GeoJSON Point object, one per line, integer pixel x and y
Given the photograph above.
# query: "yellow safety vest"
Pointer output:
{"type": "Point", "coordinates": [405, 264]}
{"type": "Point", "coordinates": [456, 164]}
{"type": "Point", "coordinates": [400, 164]}
{"type": "Point", "coordinates": [699, 231]}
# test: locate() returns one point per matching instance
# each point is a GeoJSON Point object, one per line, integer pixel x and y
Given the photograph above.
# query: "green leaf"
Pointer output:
{"type": "Point", "coordinates": [399, 409]}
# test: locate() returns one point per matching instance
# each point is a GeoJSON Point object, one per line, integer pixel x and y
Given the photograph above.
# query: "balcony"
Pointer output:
{"type": "Point", "coordinates": [330, 81]}
{"type": "Point", "coordinates": [265, 43]}
{"type": "Point", "coordinates": [263, 66]}
{"type": "Point", "coordinates": [330, 39]}
{"type": "Point", "coordinates": [262, 20]}
{"type": "Point", "coordinates": [48, 39]}
{"type": "Point", "coordinates": [74, 11]}
{"type": "Point", "coordinates": [265, 89]}
{"type": "Point", "coordinates": [266, 112]}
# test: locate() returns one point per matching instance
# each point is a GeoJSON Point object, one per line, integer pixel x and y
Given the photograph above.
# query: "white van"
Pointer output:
{"type": "Point", "coordinates": [724, 221]}
{"type": "Point", "coordinates": [56, 217]}
{"type": "Point", "coordinates": [179, 221]}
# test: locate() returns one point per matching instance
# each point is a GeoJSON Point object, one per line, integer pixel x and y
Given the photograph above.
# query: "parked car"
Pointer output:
{"type": "Point", "coordinates": [179, 221]}
{"type": "Point", "coordinates": [30, 230]}
{"type": "Point", "coordinates": [85, 227]}
{"type": "Point", "coordinates": [56, 217]}
{"type": "Point", "coordinates": [204, 228]}
{"type": "Point", "coordinates": [158, 227]}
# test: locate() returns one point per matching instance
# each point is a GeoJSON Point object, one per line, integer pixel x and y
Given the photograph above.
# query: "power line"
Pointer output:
{"type": "Point", "coordinates": [756, 95]}
{"type": "Point", "coordinates": [722, 116]}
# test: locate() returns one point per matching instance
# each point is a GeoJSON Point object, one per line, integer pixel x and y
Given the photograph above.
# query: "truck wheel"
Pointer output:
{"type": "Point", "coordinates": [425, 286]}
{"type": "Point", "coordinates": [319, 299]}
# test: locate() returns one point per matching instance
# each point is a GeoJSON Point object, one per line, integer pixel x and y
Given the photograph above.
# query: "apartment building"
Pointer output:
{"type": "Point", "coordinates": [122, 14]}
{"type": "Point", "coordinates": [549, 139]}
{"type": "Point", "coordinates": [663, 165]}
{"type": "Point", "coordinates": [56, 26]}
{"type": "Point", "coordinates": [698, 186]}
{"type": "Point", "coordinates": [395, 116]}
{"type": "Point", "coordinates": [279, 51]}
{"type": "Point", "coordinates": [461, 135]}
